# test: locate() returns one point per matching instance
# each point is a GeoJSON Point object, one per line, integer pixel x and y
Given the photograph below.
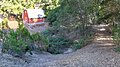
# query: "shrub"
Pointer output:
{"type": "Point", "coordinates": [116, 34]}
{"type": "Point", "coordinates": [57, 44]}
{"type": "Point", "coordinates": [116, 37]}
{"type": "Point", "coordinates": [1, 34]}
{"type": "Point", "coordinates": [14, 45]}
{"type": "Point", "coordinates": [16, 42]}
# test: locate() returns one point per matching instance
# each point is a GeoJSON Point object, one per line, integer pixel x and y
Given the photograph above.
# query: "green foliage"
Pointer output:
{"type": "Point", "coordinates": [1, 34]}
{"type": "Point", "coordinates": [21, 34]}
{"type": "Point", "coordinates": [70, 20]}
{"type": "Point", "coordinates": [79, 44]}
{"type": "Point", "coordinates": [16, 42]}
{"type": "Point", "coordinates": [106, 10]}
{"type": "Point", "coordinates": [16, 7]}
{"type": "Point", "coordinates": [20, 41]}
{"type": "Point", "coordinates": [4, 23]}
{"type": "Point", "coordinates": [12, 44]}
{"type": "Point", "coordinates": [41, 41]}
{"type": "Point", "coordinates": [84, 40]}
{"type": "Point", "coordinates": [69, 16]}
{"type": "Point", "coordinates": [117, 49]}
{"type": "Point", "coordinates": [57, 44]}
{"type": "Point", "coordinates": [116, 34]}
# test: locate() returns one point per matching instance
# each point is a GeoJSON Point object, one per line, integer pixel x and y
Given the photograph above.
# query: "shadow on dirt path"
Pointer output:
{"type": "Point", "coordinates": [103, 35]}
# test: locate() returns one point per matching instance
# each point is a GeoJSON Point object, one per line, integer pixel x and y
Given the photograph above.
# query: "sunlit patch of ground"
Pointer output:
{"type": "Point", "coordinates": [102, 29]}
{"type": "Point", "coordinates": [103, 36]}
{"type": "Point", "coordinates": [109, 38]}
{"type": "Point", "coordinates": [101, 25]}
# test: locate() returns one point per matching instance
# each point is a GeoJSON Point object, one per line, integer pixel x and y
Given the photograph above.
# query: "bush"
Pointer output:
{"type": "Point", "coordinates": [16, 42]}
{"type": "Point", "coordinates": [71, 20]}
{"type": "Point", "coordinates": [116, 34]}
{"type": "Point", "coordinates": [1, 34]}
{"type": "Point", "coordinates": [57, 44]}
{"type": "Point", "coordinates": [79, 44]}
{"type": "Point", "coordinates": [13, 44]}
{"type": "Point", "coordinates": [82, 41]}
{"type": "Point", "coordinates": [116, 37]}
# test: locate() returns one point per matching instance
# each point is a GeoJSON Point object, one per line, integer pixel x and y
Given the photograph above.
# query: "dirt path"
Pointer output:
{"type": "Point", "coordinates": [99, 53]}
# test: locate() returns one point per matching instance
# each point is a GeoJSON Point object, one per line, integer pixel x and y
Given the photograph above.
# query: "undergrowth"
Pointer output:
{"type": "Point", "coordinates": [18, 42]}
{"type": "Point", "coordinates": [116, 37]}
